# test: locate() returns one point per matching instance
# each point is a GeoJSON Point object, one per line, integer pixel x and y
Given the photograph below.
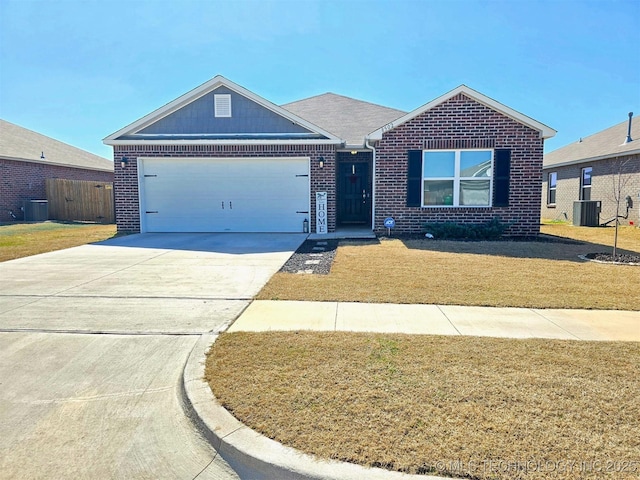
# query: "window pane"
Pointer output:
{"type": "Point", "coordinates": [438, 192]}
{"type": "Point", "coordinates": [475, 163]}
{"type": "Point", "coordinates": [586, 193]}
{"type": "Point", "coordinates": [553, 179]}
{"type": "Point", "coordinates": [586, 176]}
{"type": "Point", "coordinates": [439, 164]}
{"type": "Point", "coordinates": [474, 192]}
{"type": "Point", "coordinates": [552, 196]}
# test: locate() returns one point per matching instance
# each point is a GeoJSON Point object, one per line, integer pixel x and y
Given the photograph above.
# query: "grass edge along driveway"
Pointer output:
{"type": "Point", "coordinates": [19, 240]}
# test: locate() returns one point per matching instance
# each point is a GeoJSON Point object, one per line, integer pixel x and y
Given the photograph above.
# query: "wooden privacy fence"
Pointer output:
{"type": "Point", "coordinates": [80, 200]}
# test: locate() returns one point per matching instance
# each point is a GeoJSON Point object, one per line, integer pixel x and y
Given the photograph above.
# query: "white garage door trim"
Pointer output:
{"type": "Point", "coordinates": [214, 194]}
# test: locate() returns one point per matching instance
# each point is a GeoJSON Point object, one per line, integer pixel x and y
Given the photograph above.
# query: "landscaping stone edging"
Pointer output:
{"type": "Point", "coordinates": [312, 257]}
{"type": "Point", "coordinates": [254, 456]}
{"type": "Point", "coordinates": [595, 260]}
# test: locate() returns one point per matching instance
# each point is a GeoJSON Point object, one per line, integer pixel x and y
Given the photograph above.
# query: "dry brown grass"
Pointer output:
{"type": "Point", "coordinates": [24, 239]}
{"type": "Point", "coordinates": [503, 274]}
{"type": "Point", "coordinates": [445, 405]}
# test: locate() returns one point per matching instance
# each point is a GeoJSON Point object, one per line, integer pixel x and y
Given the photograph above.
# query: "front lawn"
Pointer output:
{"type": "Point", "coordinates": [501, 273]}
{"type": "Point", "coordinates": [19, 240]}
{"type": "Point", "coordinates": [481, 408]}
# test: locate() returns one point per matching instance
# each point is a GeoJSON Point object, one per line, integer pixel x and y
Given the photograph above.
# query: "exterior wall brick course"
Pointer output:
{"type": "Point", "coordinates": [22, 181]}
{"type": "Point", "coordinates": [460, 122]}
{"type": "Point", "coordinates": [126, 180]}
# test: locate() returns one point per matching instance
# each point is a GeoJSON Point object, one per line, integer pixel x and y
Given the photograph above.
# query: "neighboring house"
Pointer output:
{"type": "Point", "coordinates": [587, 170]}
{"type": "Point", "coordinates": [220, 158]}
{"type": "Point", "coordinates": [28, 158]}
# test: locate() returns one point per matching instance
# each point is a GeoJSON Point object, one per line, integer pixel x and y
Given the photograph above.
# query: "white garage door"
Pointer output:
{"type": "Point", "coordinates": [223, 195]}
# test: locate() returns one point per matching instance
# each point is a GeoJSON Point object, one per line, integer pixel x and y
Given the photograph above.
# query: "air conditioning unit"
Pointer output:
{"type": "Point", "coordinates": [36, 210]}
{"type": "Point", "coordinates": [586, 213]}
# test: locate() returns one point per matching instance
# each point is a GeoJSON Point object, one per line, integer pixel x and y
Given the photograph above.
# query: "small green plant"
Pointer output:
{"type": "Point", "coordinates": [492, 230]}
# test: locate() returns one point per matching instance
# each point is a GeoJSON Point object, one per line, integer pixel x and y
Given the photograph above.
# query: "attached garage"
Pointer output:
{"type": "Point", "coordinates": [269, 194]}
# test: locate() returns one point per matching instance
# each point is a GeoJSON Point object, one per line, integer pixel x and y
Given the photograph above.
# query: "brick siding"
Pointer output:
{"type": "Point", "coordinates": [23, 181]}
{"type": "Point", "coordinates": [460, 122]}
{"type": "Point", "coordinates": [126, 180]}
{"type": "Point", "coordinates": [602, 180]}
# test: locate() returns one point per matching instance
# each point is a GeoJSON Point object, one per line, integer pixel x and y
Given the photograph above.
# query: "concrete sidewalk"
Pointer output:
{"type": "Point", "coordinates": [254, 456]}
{"type": "Point", "coordinates": [614, 325]}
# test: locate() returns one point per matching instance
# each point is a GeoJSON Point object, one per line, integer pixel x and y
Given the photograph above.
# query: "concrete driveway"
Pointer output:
{"type": "Point", "coordinates": [93, 341]}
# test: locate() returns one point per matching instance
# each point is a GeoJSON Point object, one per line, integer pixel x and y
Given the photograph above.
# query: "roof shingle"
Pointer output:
{"type": "Point", "coordinates": [18, 143]}
{"type": "Point", "coordinates": [604, 144]}
{"type": "Point", "coordinates": [345, 117]}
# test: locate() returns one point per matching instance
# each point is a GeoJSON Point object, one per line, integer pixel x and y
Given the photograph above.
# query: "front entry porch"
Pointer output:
{"type": "Point", "coordinates": [343, 232]}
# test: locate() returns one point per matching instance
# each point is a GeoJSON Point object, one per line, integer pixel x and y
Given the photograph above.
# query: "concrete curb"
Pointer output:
{"type": "Point", "coordinates": [254, 456]}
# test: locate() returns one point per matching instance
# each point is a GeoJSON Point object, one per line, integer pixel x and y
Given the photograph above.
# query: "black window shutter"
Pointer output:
{"type": "Point", "coordinates": [502, 167]}
{"type": "Point", "coordinates": [414, 178]}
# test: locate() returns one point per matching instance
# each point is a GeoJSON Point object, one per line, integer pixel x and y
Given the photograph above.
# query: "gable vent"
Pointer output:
{"type": "Point", "coordinates": [222, 105]}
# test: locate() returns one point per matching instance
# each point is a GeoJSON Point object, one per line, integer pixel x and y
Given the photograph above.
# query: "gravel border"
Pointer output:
{"type": "Point", "coordinates": [622, 259]}
{"type": "Point", "coordinates": [312, 257]}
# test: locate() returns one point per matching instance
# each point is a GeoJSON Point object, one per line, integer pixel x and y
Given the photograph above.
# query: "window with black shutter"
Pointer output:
{"type": "Point", "coordinates": [414, 178]}
{"type": "Point", "coordinates": [502, 168]}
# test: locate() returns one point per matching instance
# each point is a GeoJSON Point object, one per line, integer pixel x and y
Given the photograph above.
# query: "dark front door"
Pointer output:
{"type": "Point", "coordinates": [354, 192]}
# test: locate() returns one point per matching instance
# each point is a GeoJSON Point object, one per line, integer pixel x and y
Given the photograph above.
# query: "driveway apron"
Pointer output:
{"type": "Point", "coordinates": [93, 341]}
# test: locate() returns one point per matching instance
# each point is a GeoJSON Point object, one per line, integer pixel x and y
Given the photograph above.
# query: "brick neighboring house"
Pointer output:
{"type": "Point", "coordinates": [28, 158]}
{"type": "Point", "coordinates": [586, 170]}
{"type": "Point", "coordinates": [221, 158]}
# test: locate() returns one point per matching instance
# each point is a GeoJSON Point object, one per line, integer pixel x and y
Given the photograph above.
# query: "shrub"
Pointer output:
{"type": "Point", "coordinates": [492, 230]}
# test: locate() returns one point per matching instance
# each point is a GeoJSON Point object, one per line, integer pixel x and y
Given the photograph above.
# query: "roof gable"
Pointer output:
{"type": "Point", "coordinates": [545, 131]}
{"type": "Point", "coordinates": [607, 143]}
{"type": "Point", "coordinates": [191, 119]}
{"type": "Point", "coordinates": [24, 145]}
{"type": "Point", "coordinates": [346, 117]}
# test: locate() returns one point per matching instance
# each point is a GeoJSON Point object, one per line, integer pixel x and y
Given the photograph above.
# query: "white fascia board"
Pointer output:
{"type": "Point", "coordinates": [207, 87]}
{"type": "Point", "coordinates": [223, 142]}
{"type": "Point", "coordinates": [545, 131]}
{"type": "Point", "coordinates": [591, 159]}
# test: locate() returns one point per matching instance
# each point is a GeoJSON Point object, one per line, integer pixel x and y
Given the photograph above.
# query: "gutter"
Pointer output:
{"type": "Point", "coordinates": [592, 159]}
{"type": "Point", "coordinates": [373, 182]}
{"type": "Point", "coordinates": [58, 164]}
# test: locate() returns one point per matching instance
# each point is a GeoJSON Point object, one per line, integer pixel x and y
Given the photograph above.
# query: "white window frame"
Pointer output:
{"type": "Point", "coordinates": [222, 105]}
{"type": "Point", "coordinates": [554, 188]}
{"type": "Point", "coordinates": [456, 178]}
{"type": "Point", "coordinates": [583, 187]}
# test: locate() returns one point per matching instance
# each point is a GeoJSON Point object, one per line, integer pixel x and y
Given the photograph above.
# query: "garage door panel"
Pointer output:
{"type": "Point", "coordinates": [232, 195]}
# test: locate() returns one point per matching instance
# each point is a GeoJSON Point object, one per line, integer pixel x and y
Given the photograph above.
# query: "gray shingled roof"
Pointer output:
{"type": "Point", "coordinates": [345, 117]}
{"type": "Point", "coordinates": [604, 144]}
{"type": "Point", "coordinates": [18, 143]}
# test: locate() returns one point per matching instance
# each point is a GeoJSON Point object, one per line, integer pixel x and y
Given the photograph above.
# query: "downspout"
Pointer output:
{"type": "Point", "coordinates": [373, 184]}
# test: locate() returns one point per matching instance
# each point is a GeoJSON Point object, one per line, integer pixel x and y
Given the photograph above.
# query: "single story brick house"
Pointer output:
{"type": "Point", "coordinates": [222, 159]}
{"type": "Point", "coordinates": [28, 158]}
{"type": "Point", "coordinates": [586, 171]}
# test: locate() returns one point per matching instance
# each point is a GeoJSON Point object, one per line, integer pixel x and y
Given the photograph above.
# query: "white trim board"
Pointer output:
{"type": "Point", "coordinates": [545, 131]}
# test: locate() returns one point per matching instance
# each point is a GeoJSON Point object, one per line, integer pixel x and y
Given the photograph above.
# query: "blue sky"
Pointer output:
{"type": "Point", "coordinates": [78, 70]}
